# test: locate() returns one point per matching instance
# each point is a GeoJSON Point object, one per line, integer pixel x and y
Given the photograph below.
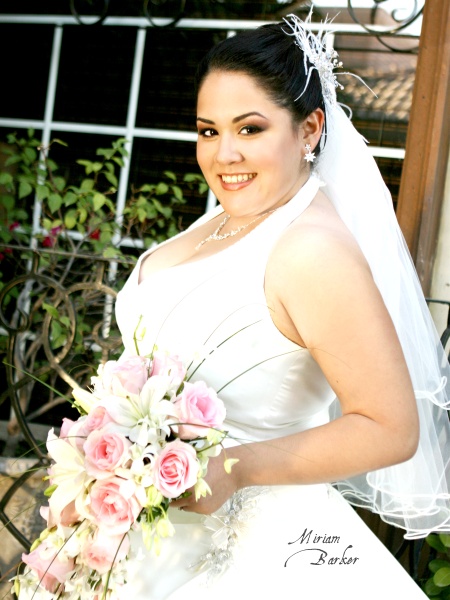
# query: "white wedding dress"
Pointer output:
{"type": "Point", "coordinates": [304, 541]}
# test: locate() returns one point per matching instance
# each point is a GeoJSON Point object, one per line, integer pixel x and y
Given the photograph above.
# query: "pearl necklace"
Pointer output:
{"type": "Point", "coordinates": [216, 236]}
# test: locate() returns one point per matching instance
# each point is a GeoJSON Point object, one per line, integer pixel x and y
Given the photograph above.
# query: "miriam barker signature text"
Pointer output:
{"type": "Point", "coordinates": [310, 545]}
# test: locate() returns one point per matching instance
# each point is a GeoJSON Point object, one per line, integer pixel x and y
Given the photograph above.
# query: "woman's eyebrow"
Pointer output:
{"type": "Point", "coordinates": [236, 119]}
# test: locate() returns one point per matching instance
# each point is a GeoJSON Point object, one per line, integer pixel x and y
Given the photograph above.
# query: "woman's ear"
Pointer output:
{"type": "Point", "coordinates": [312, 127]}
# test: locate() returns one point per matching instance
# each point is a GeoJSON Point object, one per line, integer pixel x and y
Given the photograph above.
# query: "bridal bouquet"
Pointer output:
{"type": "Point", "coordinates": [143, 438]}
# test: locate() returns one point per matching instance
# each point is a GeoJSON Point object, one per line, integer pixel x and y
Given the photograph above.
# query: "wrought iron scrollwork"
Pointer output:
{"type": "Point", "coordinates": [99, 21]}
{"type": "Point", "coordinates": [58, 314]}
{"type": "Point", "coordinates": [180, 12]}
{"type": "Point", "coordinates": [401, 23]}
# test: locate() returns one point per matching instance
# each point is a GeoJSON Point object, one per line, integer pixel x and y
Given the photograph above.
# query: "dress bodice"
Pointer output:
{"type": "Point", "coordinates": [213, 312]}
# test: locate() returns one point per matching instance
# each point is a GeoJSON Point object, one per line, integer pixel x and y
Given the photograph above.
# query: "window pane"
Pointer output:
{"type": "Point", "coordinates": [152, 157]}
{"type": "Point", "coordinates": [94, 74]}
{"type": "Point", "coordinates": [26, 51]}
{"type": "Point", "coordinates": [167, 97]}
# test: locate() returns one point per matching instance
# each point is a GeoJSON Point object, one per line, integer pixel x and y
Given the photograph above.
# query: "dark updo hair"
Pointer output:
{"type": "Point", "coordinates": [272, 58]}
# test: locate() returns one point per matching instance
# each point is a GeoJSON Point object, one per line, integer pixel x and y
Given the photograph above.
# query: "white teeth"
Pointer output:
{"type": "Point", "coordinates": [237, 178]}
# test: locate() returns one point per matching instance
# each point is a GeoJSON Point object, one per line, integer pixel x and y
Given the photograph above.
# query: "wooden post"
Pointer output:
{"type": "Point", "coordinates": [427, 143]}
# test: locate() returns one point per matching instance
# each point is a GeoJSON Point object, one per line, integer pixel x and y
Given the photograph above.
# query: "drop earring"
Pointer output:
{"type": "Point", "coordinates": [309, 156]}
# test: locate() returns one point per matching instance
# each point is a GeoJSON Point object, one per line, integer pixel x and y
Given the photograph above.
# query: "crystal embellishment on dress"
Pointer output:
{"type": "Point", "coordinates": [227, 525]}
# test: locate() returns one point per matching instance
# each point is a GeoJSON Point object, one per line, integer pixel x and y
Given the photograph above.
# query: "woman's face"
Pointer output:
{"type": "Point", "coordinates": [248, 148]}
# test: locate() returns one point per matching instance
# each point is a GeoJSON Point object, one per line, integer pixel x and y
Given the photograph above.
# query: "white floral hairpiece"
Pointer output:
{"type": "Point", "coordinates": [321, 58]}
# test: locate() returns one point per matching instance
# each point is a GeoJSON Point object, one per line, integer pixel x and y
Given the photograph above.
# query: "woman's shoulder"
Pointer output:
{"type": "Point", "coordinates": [317, 260]}
{"type": "Point", "coordinates": [317, 237]}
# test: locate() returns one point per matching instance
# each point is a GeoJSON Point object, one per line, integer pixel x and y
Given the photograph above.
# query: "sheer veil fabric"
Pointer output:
{"type": "Point", "coordinates": [413, 495]}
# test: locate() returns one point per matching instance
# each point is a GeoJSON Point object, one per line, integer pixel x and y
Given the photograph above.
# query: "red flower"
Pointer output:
{"type": "Point", "coordinates": [14, 225]}
{"type": "Point", "coordinates": [48, 242]}
{"type": "Point", "coordinates": [95, 235]}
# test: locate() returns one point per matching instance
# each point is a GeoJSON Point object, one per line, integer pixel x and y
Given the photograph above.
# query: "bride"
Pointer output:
{"type": "Point", "coordinates": [301, 291]}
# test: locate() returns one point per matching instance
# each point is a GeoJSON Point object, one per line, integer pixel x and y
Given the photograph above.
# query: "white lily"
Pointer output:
{"type": "Point", "coordinates": [142, 417]}
{"type": "Point", "coordinates": [68, 473]}
{"type": "Point", "coordinates": [84, 399]}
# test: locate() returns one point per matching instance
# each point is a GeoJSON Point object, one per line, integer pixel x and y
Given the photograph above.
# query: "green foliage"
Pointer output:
{"type": "Point", "coordinates": [81, 216]}
{"type": "Point", "coordinates": [69, 294]}
{"type": "Point", "coordinates": [438, 584]}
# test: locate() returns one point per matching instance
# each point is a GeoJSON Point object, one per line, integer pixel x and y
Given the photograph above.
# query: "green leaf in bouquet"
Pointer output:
{"type": "Point", "coordinates": [442, 577]}
{"type": "Point", "coordinates": [49, 491]}
{"type": "Point", "coordinates": [60, 142]}
{"type": "Point", "coordinates": [445, 539]}
{"type": "Point", "coordinates": [54, 202]}
{"type": "Point", "coordinates": [141, 214]}
{"type": "Point", "coordinates": [25, 189]}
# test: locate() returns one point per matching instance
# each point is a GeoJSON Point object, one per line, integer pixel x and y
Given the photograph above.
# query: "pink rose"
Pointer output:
{"type": "Point", "coordinates": [126, 376]}
{"type": "Point", "coordinates": [105, 451]}
{"type": "Point", "coordinates": [51, 570]}
{"type": "Point", "coordinates": [168, 366]}
{"type": "Point", "coordinates": [103, 551]}
{"type": "Point", "coordinates": [112, 507]}
{"type": "Point", "coordinates": [198, 405]}
{"type": "Point", "coordinates": [97, 418]}
{"type": "Point", "coordinates": [73, 432]}
{"type": "Point", "coordinates": [176, 469]}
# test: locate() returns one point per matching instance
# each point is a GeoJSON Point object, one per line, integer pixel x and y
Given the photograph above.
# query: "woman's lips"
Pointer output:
{"type": "Point", "coordinates": [236, 181]}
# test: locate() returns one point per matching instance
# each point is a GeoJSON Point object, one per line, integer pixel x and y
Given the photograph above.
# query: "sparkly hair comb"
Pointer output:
{"type": "Point", "coordinates": [321, 57]}
{"type": "Point", "coordinates": [320, 54]}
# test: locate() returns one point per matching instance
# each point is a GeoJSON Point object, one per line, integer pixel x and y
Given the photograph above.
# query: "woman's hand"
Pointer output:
{"type": "Point", "coordinates": [222, 484]}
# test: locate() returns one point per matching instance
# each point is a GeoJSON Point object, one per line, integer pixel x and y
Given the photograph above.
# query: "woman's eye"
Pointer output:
{"type": "Point", "coordinates": [207, 132]}
{"type": "Point", "coordinates": [250, 130]}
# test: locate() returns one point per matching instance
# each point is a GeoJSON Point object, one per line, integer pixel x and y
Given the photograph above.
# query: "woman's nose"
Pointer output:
{"type": "Point", "coordinates": [228, 151]}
